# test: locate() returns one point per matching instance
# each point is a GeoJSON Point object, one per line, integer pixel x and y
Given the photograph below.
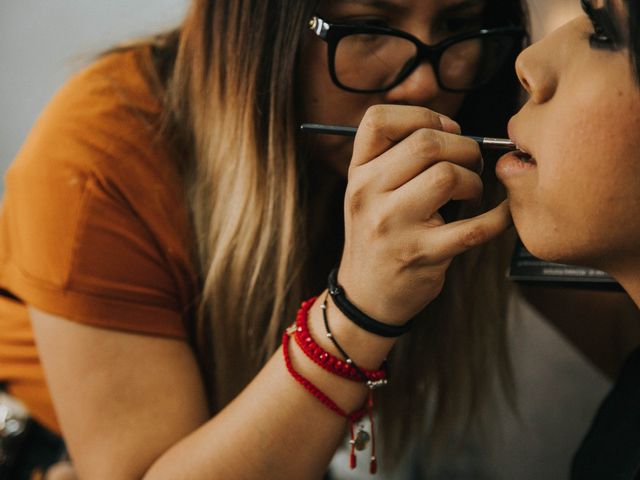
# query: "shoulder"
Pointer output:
{"type": "Point", "coordinates": [104, 126]}
{"type": "Point", "coordinates": [102, 115]}
{"type": "Point", "coordinates": [94, 204]}
{"type": "Point", "coordinates": [101, 129]}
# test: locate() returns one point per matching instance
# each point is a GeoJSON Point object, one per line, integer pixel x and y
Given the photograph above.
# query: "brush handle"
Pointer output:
{"type": "Point", "coordinates": [345, 131]}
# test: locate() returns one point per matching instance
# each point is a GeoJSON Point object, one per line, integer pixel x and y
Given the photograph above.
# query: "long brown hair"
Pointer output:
{"type": "Point", "coordinates": [227, 77]}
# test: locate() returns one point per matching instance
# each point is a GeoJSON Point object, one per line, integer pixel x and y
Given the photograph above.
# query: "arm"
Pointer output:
{"type": "Point", "coordinates": [133, 406]}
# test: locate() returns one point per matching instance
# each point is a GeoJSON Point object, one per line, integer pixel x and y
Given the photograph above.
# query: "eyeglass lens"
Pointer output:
{"type": "Point", "coordinates": [377, 61]}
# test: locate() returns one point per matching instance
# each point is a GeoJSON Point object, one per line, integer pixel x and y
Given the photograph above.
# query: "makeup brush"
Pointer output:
{"type": "Point", "coordinates": [484, 142]}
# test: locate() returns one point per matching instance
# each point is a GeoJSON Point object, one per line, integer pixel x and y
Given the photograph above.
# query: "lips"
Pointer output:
{"type": "Point", "coordinates": [523, 155]}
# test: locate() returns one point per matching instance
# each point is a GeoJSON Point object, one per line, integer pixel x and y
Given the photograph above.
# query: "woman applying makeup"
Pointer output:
{"type": "Point", "coordinates": [574, 189]}
{"type": "Point", "coordinates": [165, 219]}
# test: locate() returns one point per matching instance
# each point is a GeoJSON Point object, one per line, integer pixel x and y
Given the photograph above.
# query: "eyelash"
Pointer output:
{"type": "Point", "coordinates": [600, 38]}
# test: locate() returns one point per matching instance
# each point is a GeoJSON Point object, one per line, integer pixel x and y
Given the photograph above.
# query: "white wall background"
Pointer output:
{"type": "Point", "coordinates": [43, 41]}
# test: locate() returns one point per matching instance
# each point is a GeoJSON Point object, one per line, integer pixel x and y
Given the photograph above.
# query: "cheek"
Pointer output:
{"type": "Point", "coordinates": [581, 204]}
{"type": "Point", "coordinates": [588, 138]}
{"type": "Point", "coordinates": [588, 188]}
{"type": "Point", "coordinates": [321, 100]}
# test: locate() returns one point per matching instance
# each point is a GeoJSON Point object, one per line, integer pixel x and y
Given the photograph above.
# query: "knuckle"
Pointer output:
{"type": "Point", "coordinates": [429, 143]}
{"type": "Point", "coordinates": [444, 176]}
{"type": "Point", "coordinates": [432, 118]}
{"type": "Point", "coordinates": [477, 184]}
{"type": "Point", "coordinates": [375, 118]}
{"type": "Point", "coordinates": [380, 225]}
{"type": "Point", "coordinates": [414, 256]}
{"type": "Point", "coordinates": [474, 235]}
{"type": "Point", "coordinates": [409, 256]}
{"type": "Point", "coordinates": [355, 198]}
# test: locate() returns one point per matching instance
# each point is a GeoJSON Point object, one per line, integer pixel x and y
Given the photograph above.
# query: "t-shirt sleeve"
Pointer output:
{"type": "Point", "coordinates": [90, 227]}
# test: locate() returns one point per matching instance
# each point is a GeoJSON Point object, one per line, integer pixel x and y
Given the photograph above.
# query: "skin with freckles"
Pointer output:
{"type": "Point", "coordinates": [577, 199]}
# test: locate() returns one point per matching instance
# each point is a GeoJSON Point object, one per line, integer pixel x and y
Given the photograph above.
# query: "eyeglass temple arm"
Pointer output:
{"type": "Point", "coordinates": [319, 26]}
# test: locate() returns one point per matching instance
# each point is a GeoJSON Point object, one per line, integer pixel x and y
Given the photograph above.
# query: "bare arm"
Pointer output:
{"type": "Point", "coordinates": [133, 406]}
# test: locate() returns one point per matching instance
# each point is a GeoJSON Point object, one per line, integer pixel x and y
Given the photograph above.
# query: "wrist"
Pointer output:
{"type": "Point", "coordinates": [385, 304]}
{"type": "Point", "coordinates": [360, 318]}
{"type": "Point", "coordinates": [366, 349]}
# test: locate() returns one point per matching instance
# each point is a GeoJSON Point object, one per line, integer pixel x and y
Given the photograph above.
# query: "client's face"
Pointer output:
{"type": "Point", "coordinates": [576, 199]}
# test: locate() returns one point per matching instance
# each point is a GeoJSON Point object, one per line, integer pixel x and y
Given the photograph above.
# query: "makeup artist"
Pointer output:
{"type": "Point", "coordinates": [166, 218]}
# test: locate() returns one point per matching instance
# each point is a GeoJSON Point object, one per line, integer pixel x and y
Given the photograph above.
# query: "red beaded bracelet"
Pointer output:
{"type": "Point", "coordinates": [315, 391]}
{"type": "Point", "coordinates": [353, 417]}
{"type": "Point", "coordinates": [344, 368]}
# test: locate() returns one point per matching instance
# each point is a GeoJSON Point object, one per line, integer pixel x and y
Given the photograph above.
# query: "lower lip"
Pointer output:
{"type": "Point", "coordinates": [512, 164]}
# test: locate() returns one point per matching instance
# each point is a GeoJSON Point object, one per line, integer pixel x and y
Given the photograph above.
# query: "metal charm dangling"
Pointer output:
{"type": "Point", "coordinates": [362, 439]}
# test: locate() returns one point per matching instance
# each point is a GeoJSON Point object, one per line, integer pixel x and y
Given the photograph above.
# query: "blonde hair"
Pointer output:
{"type": "Point", "coordinates": [234, 117]}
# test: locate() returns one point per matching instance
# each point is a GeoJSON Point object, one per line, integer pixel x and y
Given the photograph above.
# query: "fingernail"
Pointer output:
{"type": "Point", "coordinates": [449, 125]}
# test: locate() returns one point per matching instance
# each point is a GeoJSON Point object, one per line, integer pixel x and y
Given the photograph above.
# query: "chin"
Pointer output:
{"type": "Point", "coordinates": [548, 242]}
{"type": "Point", "coordinates": [549, 252]}
{"type": "Point", "coordinates": [562, 247]}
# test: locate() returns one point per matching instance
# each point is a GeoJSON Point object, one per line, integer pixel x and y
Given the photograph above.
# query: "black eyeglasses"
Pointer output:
{"type": "Point", "coordinates": [370, 59]}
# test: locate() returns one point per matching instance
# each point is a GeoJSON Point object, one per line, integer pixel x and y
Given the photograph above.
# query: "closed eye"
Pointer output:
{"type": "Point", "coordinates": [605, 33]}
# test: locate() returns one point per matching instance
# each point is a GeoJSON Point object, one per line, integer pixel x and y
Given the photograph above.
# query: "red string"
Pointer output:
{"type": "Point", "coordinates": [323, 358]}
{"type": "Point", "coordinates": [373, 466]}
{"type": "Point", "coordinates": [309, 348]}
{"type": "Point", "coordinates": [315, 391]}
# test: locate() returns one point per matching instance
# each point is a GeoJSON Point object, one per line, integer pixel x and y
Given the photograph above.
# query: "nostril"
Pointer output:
{"type": "Point", "coordinates": [525, 84]}
{"type": "Point", "coordinates": [537, 74]}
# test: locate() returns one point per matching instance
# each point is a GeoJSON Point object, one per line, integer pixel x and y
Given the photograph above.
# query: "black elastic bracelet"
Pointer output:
{"type": "Point", "coordinates": [360, 318]}
{"type": "Point", "coordinates": [363, 376]}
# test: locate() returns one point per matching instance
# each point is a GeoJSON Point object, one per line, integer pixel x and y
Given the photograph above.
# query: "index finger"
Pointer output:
{"type": "Point", "coordinates": [383, 126]}
{"type": "Point", "coordinates": [457, 237]}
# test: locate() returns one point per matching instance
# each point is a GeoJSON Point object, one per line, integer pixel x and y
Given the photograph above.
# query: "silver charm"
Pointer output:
{"type": "Point", "coordinates": [362, 439]}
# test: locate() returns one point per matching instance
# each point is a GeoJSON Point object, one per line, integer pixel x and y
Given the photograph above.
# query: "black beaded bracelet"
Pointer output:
{"type": "Point", "coordinates": [360, 318]}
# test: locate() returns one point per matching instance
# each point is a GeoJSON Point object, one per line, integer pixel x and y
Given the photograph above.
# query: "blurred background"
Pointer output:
{"type": "Point", "coordinates": [43, 42]}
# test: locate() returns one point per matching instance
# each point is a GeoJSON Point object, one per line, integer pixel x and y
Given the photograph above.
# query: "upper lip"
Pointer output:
{"type": "Point", "coordinates": [514, 138]}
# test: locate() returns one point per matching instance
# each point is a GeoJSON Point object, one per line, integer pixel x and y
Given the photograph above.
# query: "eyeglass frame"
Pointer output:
{"type": "Point", "coordinates": [332, 33]}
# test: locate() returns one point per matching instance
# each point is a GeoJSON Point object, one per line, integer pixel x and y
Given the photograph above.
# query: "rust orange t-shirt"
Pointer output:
{"type": "Point", "coordinates": [93, 226]}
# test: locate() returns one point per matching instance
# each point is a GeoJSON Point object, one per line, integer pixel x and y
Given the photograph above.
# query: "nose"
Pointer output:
{"type": "Point", "coordinates": [419, 88]}
{"type": "Point", "coordinates": [536, 70]}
